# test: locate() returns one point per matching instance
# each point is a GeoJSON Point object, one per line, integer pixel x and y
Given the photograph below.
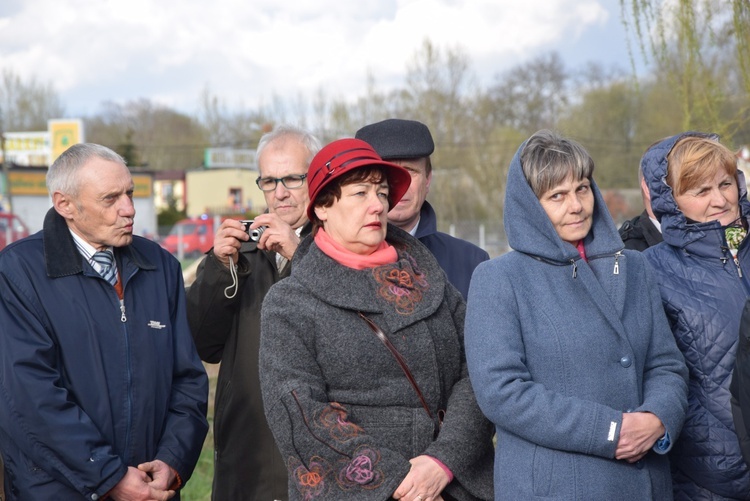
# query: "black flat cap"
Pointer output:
{"type": "Point", "coordinates": [398, 139]}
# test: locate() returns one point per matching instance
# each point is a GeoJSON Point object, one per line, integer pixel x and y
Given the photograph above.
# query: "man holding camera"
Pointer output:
{"type": "Point", "coordinates": [224, 306]}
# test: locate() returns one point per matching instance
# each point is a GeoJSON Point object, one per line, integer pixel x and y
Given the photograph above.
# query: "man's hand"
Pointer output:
{"type": "Point", "coordinates": [228, 239]}
{"type": "Point", "coordinates": [639, 433]}
{"type": "Point", "coordinates": [278, 236]}
{"type": "Point", "coordinates": [162, 476]}
{"type": "Point", "coordinates": [424, 482]}
{"type": "Point", "coordinates": [137, 485]}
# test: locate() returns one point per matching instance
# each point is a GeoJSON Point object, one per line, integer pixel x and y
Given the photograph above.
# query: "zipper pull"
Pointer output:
{"type": "Point", "coordinates": [575, 268]}
{"type": "Point", "coordinates": [123, 318]}
{"type": "Point", "coordinates": [616, 271]}
{"type": "Point", "coordinates": [737, 262]}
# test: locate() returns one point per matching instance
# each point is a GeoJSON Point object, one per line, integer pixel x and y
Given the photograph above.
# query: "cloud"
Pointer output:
{"type": "Point", "coordinates": [96, 50]}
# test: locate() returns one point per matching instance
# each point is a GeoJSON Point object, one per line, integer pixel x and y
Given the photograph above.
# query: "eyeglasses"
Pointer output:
{"type": "Point", "coordinates": [289, 182]}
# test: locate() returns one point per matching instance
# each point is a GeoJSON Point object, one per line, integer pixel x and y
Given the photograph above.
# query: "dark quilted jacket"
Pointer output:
{"type": "Point", "coordinates": [703, 293]}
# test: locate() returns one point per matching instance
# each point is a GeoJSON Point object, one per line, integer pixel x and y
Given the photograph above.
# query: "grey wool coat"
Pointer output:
{"type": "Point", "coordinates": [343, 413]}
{"type": "Point", "coordinates": [558, 349]}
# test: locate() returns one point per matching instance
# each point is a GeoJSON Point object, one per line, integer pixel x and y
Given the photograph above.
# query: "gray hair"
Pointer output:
{"type": "Point", "coordinates": [62, 175]}
{"type": "Point", "coordinates": [291, 132]}
{"type": "Point", "coordinates": [548, 159]}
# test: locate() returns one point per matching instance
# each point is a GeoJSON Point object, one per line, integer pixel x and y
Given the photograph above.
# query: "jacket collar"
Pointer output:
{"type": "Point", "coordinates": [342, 287]}
{"type": "Point", "coordinates": [427, 221]}
{"type": "Point", "coordinates": [61, 255]}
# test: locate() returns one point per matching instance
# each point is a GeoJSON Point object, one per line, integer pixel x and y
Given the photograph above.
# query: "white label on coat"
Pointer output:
{"type": "Point", "coordinates": [612, 430]}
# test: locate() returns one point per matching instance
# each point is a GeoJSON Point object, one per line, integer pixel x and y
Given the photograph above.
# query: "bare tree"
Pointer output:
{"type": "Point", "coordinates": [240, 128]}
{"type": "Point", "coordinates": [163, 138]}
{"type": "Point", "coordinates": [690, 40]}
{"type": "Point", "coordinates": [532, 95]}
{"type": "Point", "coordinates": [27, 104]}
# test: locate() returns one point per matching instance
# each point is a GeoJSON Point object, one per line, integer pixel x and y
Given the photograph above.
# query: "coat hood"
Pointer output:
{"type": "Point", "coordinates": [529, 229]}
{"type": "Point", "coordinates": [675, 227]}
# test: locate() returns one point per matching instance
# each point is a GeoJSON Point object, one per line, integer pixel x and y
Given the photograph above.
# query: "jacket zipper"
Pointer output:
{"type": "Point", "coordinates": [735, 258]}
{"type": "Point", "coordinates": [737, 263]}
{"type": "Point", "coordinates": [120, 292]}
{"type": "Point", "coordinates": [572, 262]}
{"type": "Point", "coordinates": [616, 255]}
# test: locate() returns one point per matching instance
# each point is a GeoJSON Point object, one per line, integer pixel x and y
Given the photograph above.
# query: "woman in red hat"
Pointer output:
{"type": "Point", "coordinates": [362, 362]}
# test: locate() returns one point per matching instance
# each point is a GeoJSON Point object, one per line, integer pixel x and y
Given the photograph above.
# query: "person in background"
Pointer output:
{"type": "Point", "coordinates": [643, 231]}
{"type": "Point", "coordinates": [409, 144]}
{"type": "Point", "coordinates": [568, 347]}
{"type": "Point", "coordinates": [361, 363]}
{"type": "Point", "coordinates": [224, 315]}
{"type": "Point", "coordinates": [102, 394]}
{"type": "Point", "coordinates": [700, 199]}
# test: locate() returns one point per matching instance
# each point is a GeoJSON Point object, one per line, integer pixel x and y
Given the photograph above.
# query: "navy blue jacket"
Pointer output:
{"type": "Point", "coordinates": [88, 389]}
{"type": "Point", "coordinates": [456, 257]}
{"type": "Point", "coordinates": [703, 294]}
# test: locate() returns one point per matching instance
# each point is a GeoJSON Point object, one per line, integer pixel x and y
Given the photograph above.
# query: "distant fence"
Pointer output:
{"type": "Point", "coordinates": [490, 236]}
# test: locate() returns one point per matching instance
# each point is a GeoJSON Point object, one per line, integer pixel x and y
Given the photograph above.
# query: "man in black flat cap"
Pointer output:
{"type": "Point", "coordinates": [409, 143]}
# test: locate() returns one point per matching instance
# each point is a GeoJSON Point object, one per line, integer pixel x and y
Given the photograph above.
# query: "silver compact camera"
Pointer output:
{"type": "Point", "coordinates": [255, 233]}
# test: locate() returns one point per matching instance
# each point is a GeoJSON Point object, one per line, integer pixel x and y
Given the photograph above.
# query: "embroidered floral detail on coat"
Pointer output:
{"type": "Point", "coordinates": [312, 481]}
{"type": "Point", "coordinates": [334, 418]}
{"type": "Point", "coordinates": [402, 284]}
{"type": "Point", "coordinates": [361, 471]}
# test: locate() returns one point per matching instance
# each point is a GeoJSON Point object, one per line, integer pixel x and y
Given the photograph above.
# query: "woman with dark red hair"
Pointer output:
{"type": "Point", "coordinates": [362, 364]}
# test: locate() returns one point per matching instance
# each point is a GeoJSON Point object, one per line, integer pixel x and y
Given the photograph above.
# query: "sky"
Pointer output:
{"type": "Point", "coordinates": [249, 52]}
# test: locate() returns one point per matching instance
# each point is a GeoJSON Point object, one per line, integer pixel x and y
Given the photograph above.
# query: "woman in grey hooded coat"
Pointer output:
{"type": "Point", "coordinates": [346, 418]}
{"type": "Point", "coordinates": [569, 351]}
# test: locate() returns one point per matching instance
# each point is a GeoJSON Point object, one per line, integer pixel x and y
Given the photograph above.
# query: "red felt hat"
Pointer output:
{"type": "Point", "coordinates": [345, 155]}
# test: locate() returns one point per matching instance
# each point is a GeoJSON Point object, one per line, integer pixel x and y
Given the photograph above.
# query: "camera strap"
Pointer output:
{"type": "Point", "coordinates": [235, 280]}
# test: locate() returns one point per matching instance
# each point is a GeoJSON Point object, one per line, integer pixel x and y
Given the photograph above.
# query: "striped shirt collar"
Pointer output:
{"type": "Point", "coordinates": [87, 251]}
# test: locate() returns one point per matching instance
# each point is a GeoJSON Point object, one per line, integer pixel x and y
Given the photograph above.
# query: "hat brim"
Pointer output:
{"type": "Point", "coordinates": [398, 178]}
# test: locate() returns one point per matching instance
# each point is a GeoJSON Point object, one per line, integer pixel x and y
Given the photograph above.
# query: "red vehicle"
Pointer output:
{"type": "Point", "coordinates": [196, 236]}
{"type": "Point", "coordinates": [11, 229]}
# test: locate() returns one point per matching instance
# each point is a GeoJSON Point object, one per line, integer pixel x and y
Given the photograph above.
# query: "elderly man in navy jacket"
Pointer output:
{"type": "Point", "coordinates": [409, 144]}
{"type": "Point", "coordinates": [102, 393]}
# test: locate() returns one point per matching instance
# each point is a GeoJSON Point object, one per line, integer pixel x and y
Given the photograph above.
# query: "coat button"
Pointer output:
{"type": "Point", "coordinates": [94, 497]}
{"type": "Point", "coordinates": [639, 464]}
{"type": "Point", "coordinates": [626, 361]}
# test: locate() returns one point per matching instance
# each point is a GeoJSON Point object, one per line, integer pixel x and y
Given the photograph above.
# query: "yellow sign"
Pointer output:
{"type": "Point", "coordinates": [25, 142]}
{"type": "Point", "coordinates": [27, 183]}
{"type": "Point", "coordinates": [63, 134]}
{"type": "Point", "coordinates": [142, 186]}
{"type": "Point", "coordinates": [35, 183]}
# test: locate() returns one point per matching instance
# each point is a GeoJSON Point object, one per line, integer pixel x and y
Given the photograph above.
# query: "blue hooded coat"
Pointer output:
{"type": "Point", "coordinates": [558, 349]}
{"type": "Point", "coordinates": [703, 293]}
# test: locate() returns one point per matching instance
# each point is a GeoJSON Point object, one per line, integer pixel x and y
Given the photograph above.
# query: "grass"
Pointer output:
{"type": "Point", "coordinates": [198, 487]}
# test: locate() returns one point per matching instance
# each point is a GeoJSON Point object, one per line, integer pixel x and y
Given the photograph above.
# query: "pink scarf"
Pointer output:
{"type": "Point", "coordinates": [581, 250]}
{"type": "Point", "coordinates": [384, 254]}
